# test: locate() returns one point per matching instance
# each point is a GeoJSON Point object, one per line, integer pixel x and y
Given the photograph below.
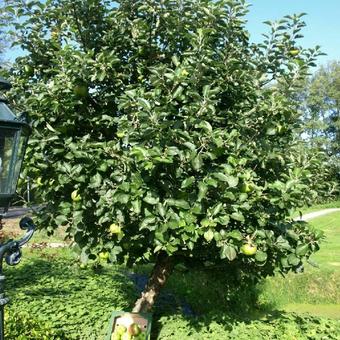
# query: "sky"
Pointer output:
{"type": "Point", "coordinates": [322, 19]}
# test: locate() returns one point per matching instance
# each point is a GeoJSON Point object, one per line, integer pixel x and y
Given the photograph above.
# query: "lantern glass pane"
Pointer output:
{"type": "Point", "coordinates": [8, 157]}
{"type": "Point", "coordinates": [18, 161]}
{"type": "Point", "coordinates": [6, 113]}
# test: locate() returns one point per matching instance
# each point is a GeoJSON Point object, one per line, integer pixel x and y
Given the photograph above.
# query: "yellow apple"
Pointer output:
{"type": "Point", "coordinates": [249, 249]}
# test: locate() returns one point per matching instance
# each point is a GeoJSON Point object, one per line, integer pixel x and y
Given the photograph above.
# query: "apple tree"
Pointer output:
{"type": "Point", "coordinates": [162, 135]}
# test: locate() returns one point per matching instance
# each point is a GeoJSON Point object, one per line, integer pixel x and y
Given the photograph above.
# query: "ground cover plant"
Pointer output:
{"type": "Point", "coordinates": [51, 296]}
{"type": "Point", "coordinates": [162, 135]}
{"type": "Point", "coordinates": [53, 290]}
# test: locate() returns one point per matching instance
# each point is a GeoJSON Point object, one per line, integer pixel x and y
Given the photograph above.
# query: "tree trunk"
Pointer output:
{"type": "Point", "coordinates": [159, 275]}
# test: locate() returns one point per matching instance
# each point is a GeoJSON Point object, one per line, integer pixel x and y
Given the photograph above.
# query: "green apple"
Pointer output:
{"type": "Point", "coordinates": [120, 134]}
{"type": "Point", "coordinates": [184, 73]}
{"type": "Point", "coordinates": [120, 329]}
{"type": "Point", "coordinates": [104, 255]}
{"type": "Point", "coordinates": [29, 70]}
{"type": "Point", "coordinates": [75, 196]}
{"type": "Point", "coordinates": [294, 52]}
{"type": "Point", "coordinates": [126, 336]}
{"type": "Point", "coordinates": [116, 336]}
{"type": "Point", "coordinates": [249, 249]}
{"type": "Point", "coordinates": [134, 329]}
{"type": "Point", "coordinates": [115, 229]}
{"type": "Point", "coordinates": [246, 187]}
{"type": "Point", "coordinates": [81, 90]}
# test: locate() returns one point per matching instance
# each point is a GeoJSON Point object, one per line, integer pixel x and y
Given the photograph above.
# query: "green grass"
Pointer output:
{"type": "Point", "coordinates": [317, 290]}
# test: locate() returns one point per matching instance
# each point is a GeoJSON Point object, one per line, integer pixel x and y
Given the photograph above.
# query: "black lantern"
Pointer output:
{"type": "Point", "coordinates": [14, 134]}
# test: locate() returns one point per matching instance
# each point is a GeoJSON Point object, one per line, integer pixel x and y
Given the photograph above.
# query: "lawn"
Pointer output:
{"type": "Point", "coordinates": [317, 290]}
{"type": "Point", "coordinates": [68, 302]}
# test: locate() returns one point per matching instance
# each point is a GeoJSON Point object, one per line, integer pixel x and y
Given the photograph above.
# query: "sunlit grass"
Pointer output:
{"type": "Point", "coordinates": [317, 290]}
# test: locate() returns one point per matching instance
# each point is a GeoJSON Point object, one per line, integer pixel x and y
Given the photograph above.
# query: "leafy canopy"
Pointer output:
{"type": "Point", "coordinates": [158, 127]}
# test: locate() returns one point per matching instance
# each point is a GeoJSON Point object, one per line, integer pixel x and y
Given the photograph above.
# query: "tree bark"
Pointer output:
{"type": "Point", "coordinates": [159, 275]}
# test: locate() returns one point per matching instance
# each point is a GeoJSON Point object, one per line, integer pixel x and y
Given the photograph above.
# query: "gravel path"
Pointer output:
{"type": "Point", "coordinates": [310, 216]}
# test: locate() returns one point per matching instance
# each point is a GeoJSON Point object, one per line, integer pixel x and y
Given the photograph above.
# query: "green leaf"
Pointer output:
{"type": "Point", "coordinates": [206, 126]}
{"type": "Point", "coordinates": [96, 180]}
{"type": "Point", "coordinates": [151, 200]}
{"type": "Point", "coordinates": [293, 259]}
{"type": "Point", "coordinates": [206, 222]}
{"type": "Point", "coordinates": [183, 204]}
{"type": "Point", "coordinates": [236, 234]}
{"type": "Point", "coordinates": [208, 235]}
{"type": "Point", "coordinates": [190, 146]}
{"type": "Point", "coordinates": [202, 190]}
{"type": "Point", "coordinates": [302, 249]}
{"type": "Point", "coordinates": [144, 103]}
{"type": "Point", "coordinates": [161, 209]}
{"type": "Point", "coordinates": [188, 182]}
{"type": "Point", "coordinates": [223, 220]}
{"type": "Point", "coordinates": [178, 92]}
{"type": "Point", "coordinates": [136, 206]}
{"type": "Point", "coordinates": [197, 162]}
{"type": "Point", "coordinates": [282, 243]}
{"type": "Point", "coordinates": [122, 198]}
{"type": "Point", "coordinates": [292, 235]}
{"type": "Point", "coordinates": [237, 216]}
{"type": "Point", "coordinates": [228, 251]}
{"type": "Point", "coordinates": [206, 89]}
{"type": "Point", "coordinates": [220, 176]}
{"type": "Point", "coordinates": [232, 181]}
{"type": "Point", "coordinates": [261, 256]}
{"type": "Point", "coordinates": [61, 220]}
{"type": "Point", "coordinates": [271, 131]}
{"type": "Point", "coordinates": [175, 60]}
{"type": "Point", "coordinates": [216, 209]}
{"type": "Point", "coordinates": [147, 221]}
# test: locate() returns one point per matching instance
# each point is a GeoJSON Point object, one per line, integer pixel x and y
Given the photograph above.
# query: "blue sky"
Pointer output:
{"type": "Point", "coordinates": [323, 23]}
{"type": "Point", "coordinates": [322, 19]}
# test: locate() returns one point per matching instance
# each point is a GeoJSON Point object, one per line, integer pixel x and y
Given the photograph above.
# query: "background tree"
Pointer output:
{"type": "Point", "coordinates": [322, 108]}
{"type": "Point", "coordinates": [5, 19]}
{"type": "Point", "coordinates": [157, 138]}
{"type": "Point", "coordinates": [321, 98]}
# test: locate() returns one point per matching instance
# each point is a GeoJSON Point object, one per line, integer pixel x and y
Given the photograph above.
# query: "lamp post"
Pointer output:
{"type": "Point", "coordinates": [14, 133]}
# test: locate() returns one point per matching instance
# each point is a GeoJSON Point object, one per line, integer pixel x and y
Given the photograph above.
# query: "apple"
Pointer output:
{"type": "Point", "coordinates": [38, 181]}
{"type": "Point", "coordinates": [104, 255]}
{"type": "Point", "coordinates": [294, 52]}
{"type": "Point", "coordinates": [126, 336]}
{"type": "Point", "coordinates": [120, 329]}
{"type": "Point", "coordinates": [120, 134]}
{"type": "Point", "coordinates": [116, 336]}
{"type": "Point", "coordinates": [75, 196]}
{"type": "Point", "coordinates": [249, 249]}
{"type": "Point", "coordinates": [29, 70]}
{"type": "Point", "coordinates": [246, 187]}
{"type": "Point", "coordinates": [134, 329]}
{"type": "Point", "coordinates": [115, 229]}
{"type": "Point", "coordinates": [81, 90]}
